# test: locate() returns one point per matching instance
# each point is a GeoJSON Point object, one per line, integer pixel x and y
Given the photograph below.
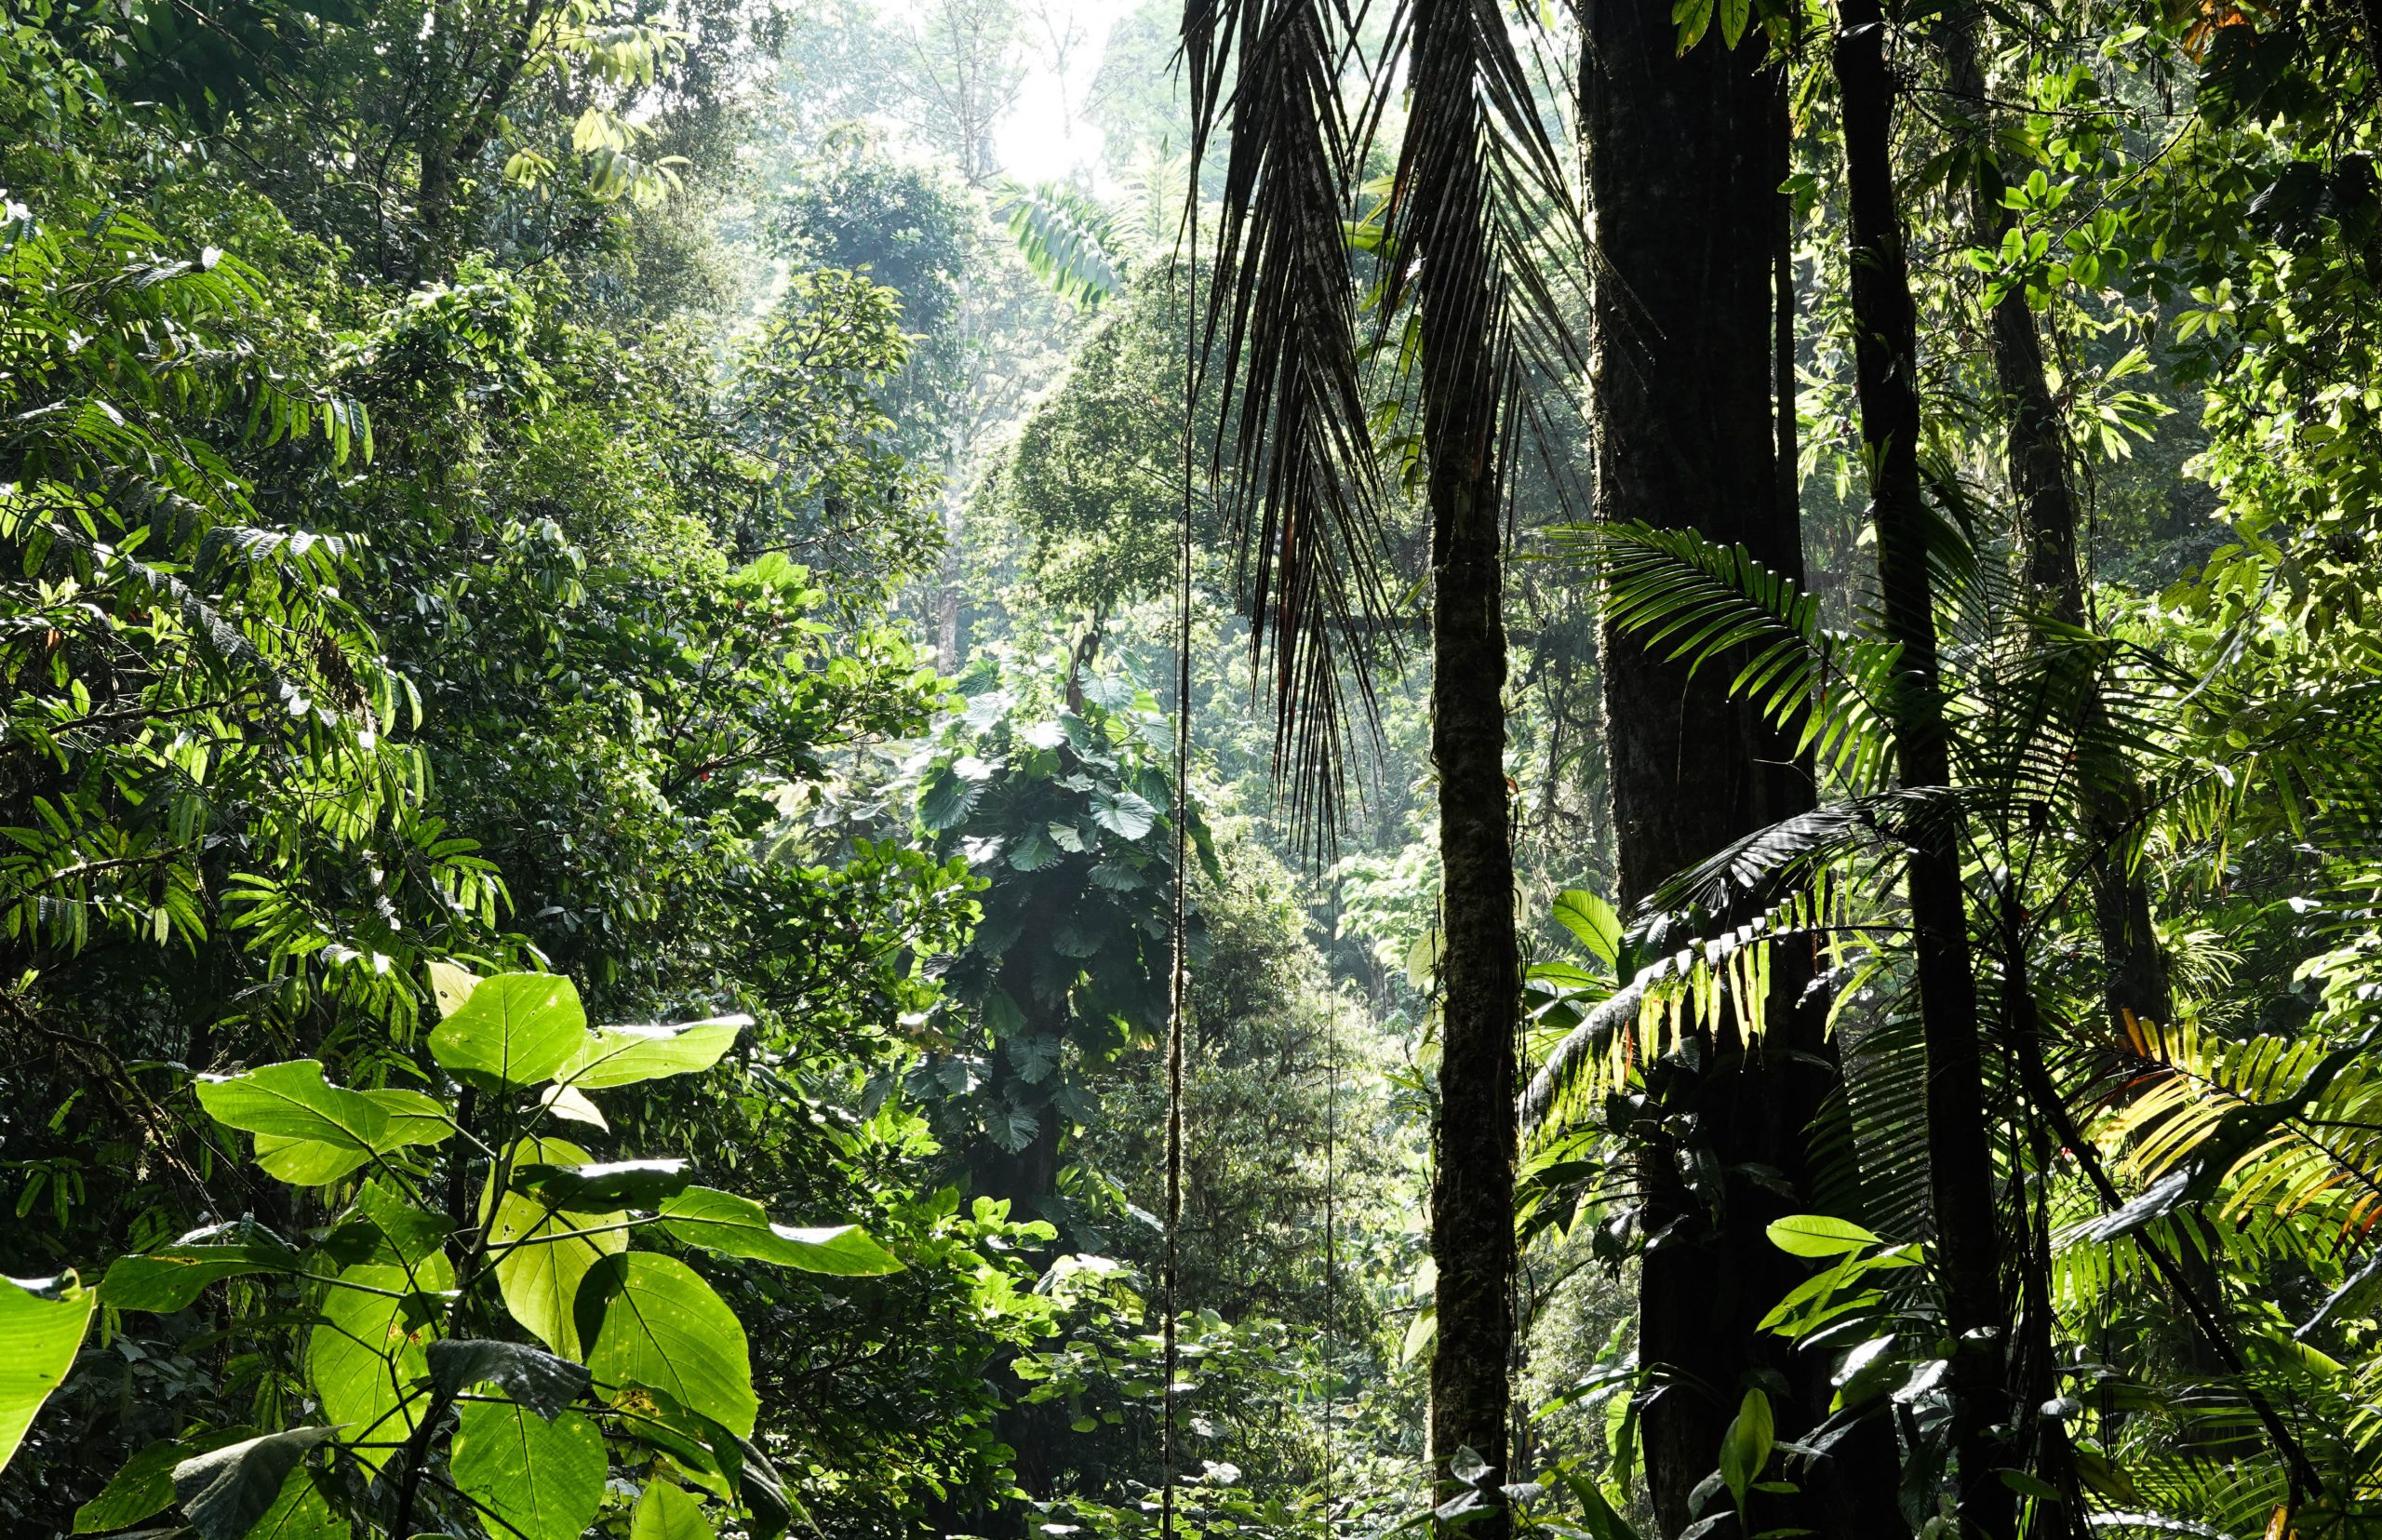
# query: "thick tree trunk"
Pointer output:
{"type": "Point", "coordinates": [1885, 329]}
{"type": "Point", "coordinates": [1692, 344]}
{"type": "Point", "coordinates": [1472, 1192]}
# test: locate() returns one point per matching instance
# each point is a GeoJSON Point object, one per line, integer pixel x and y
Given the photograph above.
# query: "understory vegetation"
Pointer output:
{"type": "Point", "coordinates": [1041, 768]}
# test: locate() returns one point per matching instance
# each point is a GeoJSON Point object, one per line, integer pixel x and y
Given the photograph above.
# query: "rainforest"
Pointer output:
{"type": "Point", "coordinates": [1152, 769]}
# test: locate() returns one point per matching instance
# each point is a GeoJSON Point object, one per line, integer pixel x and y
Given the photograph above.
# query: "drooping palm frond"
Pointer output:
{"type": "Point", "coordinates": [1279, 320]}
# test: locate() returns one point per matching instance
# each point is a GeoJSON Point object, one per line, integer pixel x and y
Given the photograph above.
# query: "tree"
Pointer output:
{"type": "Point", "coordinates": [1686, 145]}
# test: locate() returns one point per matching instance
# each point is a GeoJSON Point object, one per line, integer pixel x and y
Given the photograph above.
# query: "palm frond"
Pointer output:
{"type": "Point", "coordinates": [1069, 240]}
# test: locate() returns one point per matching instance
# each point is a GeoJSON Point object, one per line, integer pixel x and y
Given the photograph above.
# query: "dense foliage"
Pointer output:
{"type": "Point", "coordinates": [524, 519]}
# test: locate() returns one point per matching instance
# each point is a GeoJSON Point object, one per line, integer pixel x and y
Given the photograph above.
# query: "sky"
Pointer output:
{"type": "Point", "coordinates": [1036, 142]}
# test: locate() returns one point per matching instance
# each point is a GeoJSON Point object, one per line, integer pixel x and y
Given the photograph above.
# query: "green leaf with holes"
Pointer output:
{"type": "Point", "coordinates": [166, 1280]}
{"type": "Point", "coordinates": [515, 1029]}
{"type": "Point", "coordinates": [651, 1321]}
{"type": "Point", "coordinates": [541, 1256]}
{"type": "Point", "coordinates": [538, 1480]}
{"type": "Point", "coordinates": [365, 1360]}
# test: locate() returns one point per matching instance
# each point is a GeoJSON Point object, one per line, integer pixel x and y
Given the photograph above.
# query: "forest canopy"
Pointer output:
{"type": "Point", "coordinates": [1040, 768]}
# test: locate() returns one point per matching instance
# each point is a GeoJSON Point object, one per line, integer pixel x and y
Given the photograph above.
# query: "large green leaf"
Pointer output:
{"type": "Point", "coordinates": [1745, 1449]}
{"type": "Point", "coordinates": [224, 1492]}
{"type": "Point", "coordinates": [540, 1479]}
{"type": "Point", "coordinates": [306, 1162]}
{"type": "Point", "coordinates": [450, 987]}
{"type": "Point", "coordinates": [42, 1321]}
{"type": "Point", "coordinates": [168, 1279]}
{"type": "Point", "coordinates": [529, 1375]}
{"type": "Point", "coordinates": [650, 1320]}
{"type": "Point", "coordinates": [723, 1221]}
{"type": "Point", "coordinates": [540, 1260]}
{"type": "Point", "coordinates": [1819, 1235]}
{"type": "Point", "coordinates": [293, 1101]}
{"type": "Point", "coordinates": [1593, 920]}
{"type": "Point", "coordinates": [145, 1484]}
{"type": "Point", "coordinates": [365, 1357]}
{"type": "Point", "coordinates": [414, 1118]}
{"type": "Point", "coordinates": [623, 1056]}
{"type": "Point", "coordinates": [638, 1183]}
{"type": "Point", "coordinates": [300, 1511]}
{"type": "Point", "coordinates": [515, 1029]}
{"type": "Point", "coordinates": [666, 1512]}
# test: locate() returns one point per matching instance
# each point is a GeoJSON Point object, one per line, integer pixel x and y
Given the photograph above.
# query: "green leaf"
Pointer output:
{"type": "Point", "coordinates": [166, 1280]}
{"type": "Point", "coordinates": [540, 1261]}
{"type": "Point", "coordinates": [666, 1512]}
{"type": "Point", "coordinates": [1122, 814]}
{"type": "Point", "coordinates": [366, 1356]}
{"type": "Point", "coordinates": [42, 1321]}
{"type": "Point", "coordinates": [535, 1378]}
{"type": "Point", "coordinates": [947, 797]}
{"type": "Point", "coordinates": [1819, 1235]}
{"type": "Point", "coordinates": [450, 987]}
{"type": "Point", "coordinates": [650, 1320]}
{"type": "Point", "coordinates": [224, 1492]}
{"type": "Point", "coordinates": [409, 1234]}
{"type": "Point", "coordinates": [414, 1118]}
{"type": "Point", "coordinates": [540, 1479]}
{"type": "Point", "coordinates": [300, 1511]}
{"type": "Point", "coordinates": [306, 1162]}
{"type": "Point", "coordinates": [723, 1222]}
{"type": "Point", "coordinates": [1592, 919]}
{"type": "Point", "coordinates": [517, 1029]}
{"type": "Point", "coordinates": [636, 1183]}
{"type": "Point", "coordinates": [1745, 1449]}
{"type": "Point", "coordinates": [623, 1056]}
{"type": "Point", "coordinates": [1734, 14]}
{"type": "Point", "coordinates": [144, 1486]}
{"type": "Point", "coordinates": [293, 1101]}
{"type": "Point", "coordinates": [1691, 16]}
{"type": "Point", "coordinates": [754, 1483]}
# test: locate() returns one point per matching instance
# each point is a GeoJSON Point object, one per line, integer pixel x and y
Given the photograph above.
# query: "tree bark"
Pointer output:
{"type": "Point", "coordinates": [1885, 328]}
{"type": "Point", "coordinates": [1472, 1191]}
{"type": "Point", "coordinates": [2135, 977]}
{"type": "Point", "coordinates": [1692, 360]}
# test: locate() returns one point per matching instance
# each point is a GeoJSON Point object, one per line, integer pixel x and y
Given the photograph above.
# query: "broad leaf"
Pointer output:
{"type": "Point", "coordinates": [414, 1118]}
{"type": "Point", "coordinates": [224, 1492]}
{"type": "Point", "coordinates": [168, 1279]}
{"type": "Point", "coordinates": [650, 1320]}
{"type": "Point", "coordinates": [540, 1255]}
{"type": "Point", "coordinates": [723, 1222]}
{"type": "Point", "coordinates": [300, 1511]}
{"type": "Point", "coordinates": [1819, 1235]}
{"type": "Point", "coordinates": [450, 987]}
{"type": "Point", "coordinates": [144, 1486]}
{"type": "Point", "coordinates": [573, 1104]}
{"type": "Point", "coordinates": [754, 1483]}
{"type": "Point", "coordinates": [306, 1162]}
{"type": "Point", "coordinates": [540, 1479]}
{"type": "Point", "coordinates": [1593, 921]}
{"type": "Point", "coordinates": [365, 1357]}
{"type": "Point", "coordinates": [517, 1029]}
{"type": "Point", "coordinates": [531, 1375]}
{"type": "Point", "coordinates": [1745, 1449]}
{"type": "Point", "coordinates": [666, 1512]}
{"type": "Point", "coordinates": [42, 1321]}
{"type": "Point", "coordinates": [293, 1101]}
{"type": "Point", "coordinates": [636, 1183]}
{"type": "Point", "coordinates": [1122, 814]}
{"type": "Point", "coordinates": [624, 1056]}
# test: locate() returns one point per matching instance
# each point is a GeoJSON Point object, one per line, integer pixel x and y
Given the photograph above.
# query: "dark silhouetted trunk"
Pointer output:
{"type": "Point", "coordinates": [1692, 350]}
{"type": "Point", "coordinates": [1472, 1192]}
{"type": "Point", "coordinates": [1961, 1178]}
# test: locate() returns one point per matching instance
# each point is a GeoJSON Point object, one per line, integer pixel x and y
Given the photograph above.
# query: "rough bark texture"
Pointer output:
{"type": "Point", "coordinates": [1967, 1245]}
{"type": "Point", "coordinates": [1472, 1194]}
{"type": "Point", "coordinates": [1690, 343]}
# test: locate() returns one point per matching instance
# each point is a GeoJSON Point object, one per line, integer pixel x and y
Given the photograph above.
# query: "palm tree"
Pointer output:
{"type": "Point", "coordinates": [1474, 178]}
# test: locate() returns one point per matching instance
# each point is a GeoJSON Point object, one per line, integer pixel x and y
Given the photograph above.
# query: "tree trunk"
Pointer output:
{"type": "Point", "coordinates": [2134, 976]}
{"type": "Point", "coordinates": [1886, 330]}
{"type": "Point", "coordinates": [1692, 359]}
{"type": "Point", "coordinates": [1472, 1192]}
